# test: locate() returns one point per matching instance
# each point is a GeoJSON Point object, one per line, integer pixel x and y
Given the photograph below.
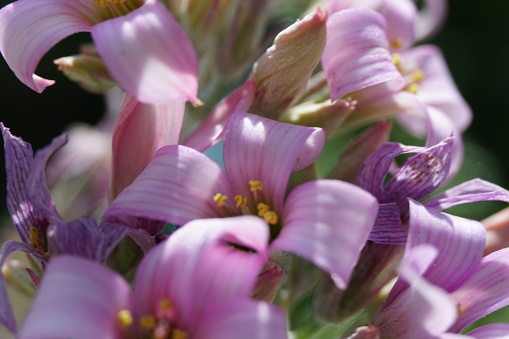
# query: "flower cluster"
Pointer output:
{"type": "Point", "coordinates": [158, 240]}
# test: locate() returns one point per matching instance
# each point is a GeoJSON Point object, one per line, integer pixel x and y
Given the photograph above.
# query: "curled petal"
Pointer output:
{"type": "Point", "coordinates": [486, 291]}
{"type": "Point", "coordinates": [140, 130]}
{"type": "Point", "coordinates": [328, 222]}
{"type": "Point", "coordinates": [388, 228]}
{"type": "Point", "coordinates": [149, 55]}
{"type": "Point", "coordinates": [216, 260]}
{"type": "Point", "coordinates": [77, 299]}
{"type": "Point", "coordinates": [400, 17]}
{"type": "Point", "coordinates": [491, 331]}
{"type": "Point", "coordinates": [242, 319]}
{"type": "Point", "coordinates": [356, 54]}
{"type": "Point", "coordinates": [257, 148]}
{"type": "Point", "coordinates": [431, 18]}
{"type": "Point", "coordinates": [29, 29]}
{"type": "Point", "coordinates": [177, 186]}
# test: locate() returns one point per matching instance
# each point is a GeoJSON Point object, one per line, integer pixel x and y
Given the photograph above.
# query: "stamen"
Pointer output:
{"type": "Point", "coordinates": [255, 185]}
{"type": "Point", "coordinates": [35, 241]}
{"type": "Point", "coordinates": [460, 311]}
{"type": "Point", "coordinates": [105, 3]}
{"type": "Point", "coordinates": [240, 200]}
{"type": "Point", "coordinates": [147, 322]}
{"type": "Point", "coordinates": [396, 58]}
{"type": "Point", "coordinates": [270, 217]}
{"type": "Point", "coordinates": [125, 318]}
{"type": "Point", "coordinates": [179, 334]}
{"type": "Point", "coordinates": [165, 305]}
{"type": "Point", "coordinates": [418, 75]}
{"type": "Point", "coordinates": [220, 199]}
{"type": "Point", "coordinates": [413, 88]}
{"type": "Point", "coordinates": [397, 43]}
{"type": "Point", "coordinates": [262, 209]}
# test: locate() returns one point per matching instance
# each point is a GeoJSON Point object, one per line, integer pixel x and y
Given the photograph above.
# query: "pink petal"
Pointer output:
{"type": "Point", "coordinates": [245, 318]}
{"type": "Point", "coordinates": [486, 291]}
{"type": "Point", "coordinates": [491, 331]}
{"type": "Point", "coordinates": [431, 18]}
{"type": "Point", "coordinates": [356, 54]}
{"type": "Point", "coordinates": [177, 186]}
{"type": "Point", "coordinates": [149, 55]}
{"type": "Point", "coordinates": [140, 130]}
{"type": "Point", "coordinates": [328, 222]}
{"type": "Point", "coordinates": [211, 128]}
{"type": "Point", "coordinates": [206, 262]}
{"type": "Point", "coordinates": [77, 299]}
{"type": "Point", "coordinates": [400, 17]}
{"type": "Point", "coordinates": [30, 28]}
{"type": "Point", "coordinates": [257, 148]}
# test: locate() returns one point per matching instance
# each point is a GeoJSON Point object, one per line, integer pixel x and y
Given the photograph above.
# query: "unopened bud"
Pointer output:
{"type": "Point", "coordinates": [17, 276]}
{"type": "Point", "coordinates": [283, 72]}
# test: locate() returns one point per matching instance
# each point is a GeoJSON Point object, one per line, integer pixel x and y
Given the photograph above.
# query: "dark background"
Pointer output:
{"type": "Point", "coordinates": [474, 41]}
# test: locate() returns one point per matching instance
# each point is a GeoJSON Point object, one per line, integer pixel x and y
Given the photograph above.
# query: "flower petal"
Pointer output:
{"type": "Point", "coordinates": [79, 299]}
{"type": "Point", "coordinates": [490, 331]}
{"type": "Point", "coordinates": [140, 130]}
{"type": "Point", "coordinates": [388, 228]}
{"type": "Point", "coordinates": [242, 319]}
{"type": "Point", "coordinates": [328, 222]}
{"type": "Point", "coordinates": [486, 291]}
{"type": "Point", "coordinates": [149, 55]}
{"type": "Point", "coordinates": [30, 28]}
{"type": "Point", "coordinates": [356, 54]}
{"type": "Point", "coordinates": [7, 318]}
{"type": "Point", "coordinates": [431, 18]}
{"type": "Point", "coordinates": [210, 130]}
{"type": "Point", "coordinates": [400, 17]}
{"type": "Point", "coordinates": [257, 148]}
{"type": "Point", "coordinates": [177, 186]}
{"type": "Point", "coordinates": [474, 190]}
{"type": "Point", "coordinates": [215, 260]}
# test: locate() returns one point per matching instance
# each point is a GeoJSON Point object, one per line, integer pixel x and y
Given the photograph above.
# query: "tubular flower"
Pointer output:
{"type": "Point", "coordinates": [181, 184]}
{"type": "Point", "coordinates": [445, 282]}
{"type": "Point", "coordinates": [143, 47]}
{"type": "Point", "coordinates": [196, 284]}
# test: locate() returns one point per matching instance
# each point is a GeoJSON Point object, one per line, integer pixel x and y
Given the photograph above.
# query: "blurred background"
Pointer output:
{"type": "Point", "coordinates": [473, 41]}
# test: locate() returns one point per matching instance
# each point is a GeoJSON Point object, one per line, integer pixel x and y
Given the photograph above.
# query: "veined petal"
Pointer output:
{"type": "Point", "coordinates": [215, 260]}
{"type": "Point", "coordinates": [460, 243]}
{"type": "Point", "coordinates": [486, 291]}
{"type": "Point", "coordinates": [77, 299]}
{"type": "Point", "coordinates": [474, 190]}
{"type": "Point", "coordinates": [30, 28]}
{"type": "Point", "coordinates": [18, 163]}
{"type": "Point", "coordinates": [257, 148]}
{"type": "Point", "coordinates": [490, 331]}
{"type": "Point", "coordinates": [328, 222]}
{"type": "Point", "coordinates": [7, 318]}
{"type": "Point", "coordinates": [437, 87]}
{"type": "Point", "coordinates": [388, 228]}
{"type": "Point", "coordinates": [177, 186]}
{"type": "Point", "coordinates": [140, 130]}
{"type": "Point", "coordinates": [242, 319]}
{"type": "Point", "coordinates": [400, 17]}
{"type": "Point", "coordinates": [423, 310]}
{"type": "Point", "coordinates": [211, 129]}
{"type": "Point", "coordinates": [356, 54]}
{"type": "Point", "coordinates": [149, 55]}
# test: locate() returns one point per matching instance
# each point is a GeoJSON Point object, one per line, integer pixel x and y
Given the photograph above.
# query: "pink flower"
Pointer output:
{"type": "Point", "coordinates": [196, 284]}
{"type": "Point", "coordinates": [143, 47]}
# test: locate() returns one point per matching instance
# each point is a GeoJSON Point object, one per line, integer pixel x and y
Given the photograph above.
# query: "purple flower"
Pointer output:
{"type": "Point", "coordinates": [196, 284]}
{"type": "Point", "coordinates": [445, 283]}
{"type": "Point", "coordinates": [320, 220]}
{"type": "Point", "coordinates": [143, 47]}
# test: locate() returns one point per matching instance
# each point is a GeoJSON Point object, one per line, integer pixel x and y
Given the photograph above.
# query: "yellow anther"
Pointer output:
{"type": "Point", "coordinates": [262, 209]}
{"type": "Point", "coordinates": [198, 103]}
{"type": "Point", "coordinates": [397, 43]}
{"type": "Point", "coordinates": [418, 75]}
{"type": "Point", "coordinates": [413, 88]}
{"type": "Point", "coordinates": [255, 185]}
{"type": "Point", "coordinates": [179, 334]}
{"type": "Point", "coordinates": [458, 308]}
{"type": "Point", "coordinates": [270, 217]}
{"type": "Point", "coordinates": [165, 305]}
{"type": "Point", "coordinates": [125, 318]}
{"type": "Point", "coordinates": [396, 58]}
{"type": "Point", "coordinates": [240, 200]}
{"type": "Point", "coordinates": [105, 3]}
{"type": "Point", "coordinates": [220, 199]}
{"type": "Point", "coordinates": [35, 241]}
{"type": "Point", "coordinates": [147, 322]}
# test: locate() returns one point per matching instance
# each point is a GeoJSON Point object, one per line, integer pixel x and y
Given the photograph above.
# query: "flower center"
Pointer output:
{"type": "Point", "coordinates": [412, 75]}
{"type": "Point", "coordinates": [263, 210]}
